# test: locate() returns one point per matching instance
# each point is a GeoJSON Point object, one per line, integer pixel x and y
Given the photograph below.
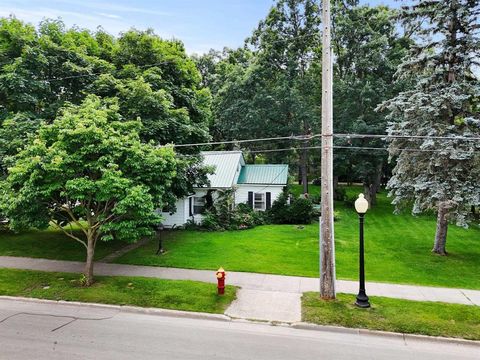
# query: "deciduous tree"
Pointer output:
{"type": "Point", "coordinates": [89, 175]}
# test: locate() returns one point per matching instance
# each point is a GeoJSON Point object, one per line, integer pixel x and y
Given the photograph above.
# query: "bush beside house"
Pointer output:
{"type": "Point", "coordinates": [225, 215]}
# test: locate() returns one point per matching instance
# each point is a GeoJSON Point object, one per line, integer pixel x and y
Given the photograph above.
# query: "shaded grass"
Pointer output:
{"type": "Point", "coordinates": [398, 249]}
{"type": "Point", "coordinates": [50, 244]}
{"type": "Point", "coordinates": [386, 314]}
{"type": "Point", "coordinates": [118, 290]}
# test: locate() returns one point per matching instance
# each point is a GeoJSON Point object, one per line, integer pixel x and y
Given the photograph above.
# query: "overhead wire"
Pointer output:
{"type": "Point", "coordinates": [344, 136]}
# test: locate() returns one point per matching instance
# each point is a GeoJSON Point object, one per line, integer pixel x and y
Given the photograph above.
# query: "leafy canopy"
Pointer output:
{"type": "Point", "coordinates": [89, 170]}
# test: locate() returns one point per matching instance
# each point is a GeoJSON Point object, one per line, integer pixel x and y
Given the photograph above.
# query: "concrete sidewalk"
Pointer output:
{"type": "Point", "coordinates": [262, 296]}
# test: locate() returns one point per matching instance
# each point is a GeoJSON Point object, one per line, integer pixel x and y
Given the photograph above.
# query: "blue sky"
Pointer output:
{"type": "Point", "coordinates": [200, 24]}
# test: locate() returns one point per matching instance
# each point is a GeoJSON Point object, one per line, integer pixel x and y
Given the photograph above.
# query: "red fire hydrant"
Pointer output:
{"type": "Point", "coordinates": [221, 281]}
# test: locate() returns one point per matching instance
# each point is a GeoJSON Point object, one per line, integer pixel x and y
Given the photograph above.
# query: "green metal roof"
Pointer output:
{"type": "Point", "coordinates": [264, 174]}
{"type": "Point", "coordinates": [227, 166]}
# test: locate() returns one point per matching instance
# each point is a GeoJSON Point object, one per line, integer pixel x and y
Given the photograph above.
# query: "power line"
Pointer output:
{"type": "Point", "coordinates": [291, 137]}
{"type": "Point", "coordinates": [385, 137]}
{"type": "Point", "coordinates": [335, 147]}
{"type": "Point", "coordinates": [350, 148]}
{"type": "Point", "coordinates": [344, 136]}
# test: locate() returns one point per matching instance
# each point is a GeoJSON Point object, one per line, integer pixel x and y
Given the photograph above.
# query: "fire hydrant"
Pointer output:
{"type": "Point", "coordinates": [221, 281]}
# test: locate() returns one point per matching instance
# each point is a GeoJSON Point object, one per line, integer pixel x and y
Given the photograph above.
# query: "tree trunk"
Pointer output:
{"type": "Point", "coordinates": [89, 263]}
{"type": "Point", "coordinates": [441, 233]}
{"type": "Point", "coordinates": [377, 181]}
{"type": "Point", "coordinates": [369, 194]}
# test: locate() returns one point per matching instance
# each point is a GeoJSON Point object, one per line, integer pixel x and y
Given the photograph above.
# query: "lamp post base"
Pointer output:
{"type": "Point", "coordinates": [362, 301]}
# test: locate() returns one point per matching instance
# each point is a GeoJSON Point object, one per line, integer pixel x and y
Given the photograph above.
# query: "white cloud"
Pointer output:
{"type": "Point", "coordinates": [111, 16]}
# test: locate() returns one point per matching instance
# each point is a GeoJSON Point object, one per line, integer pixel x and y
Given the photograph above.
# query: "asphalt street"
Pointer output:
{"type": "Point", "coordinates": [58, 331]}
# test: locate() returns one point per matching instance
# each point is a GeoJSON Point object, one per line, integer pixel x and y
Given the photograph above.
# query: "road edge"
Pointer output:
{"type": "Point", "coordinates": [125, 308]}
{"type": "Point", "coordinates": [225, 318]}
{"type": "Point", "coordinates": [385, 334]}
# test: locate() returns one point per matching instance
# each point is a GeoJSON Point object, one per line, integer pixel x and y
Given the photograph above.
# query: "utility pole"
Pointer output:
{"type": "Point", "coordinates": [327, 244]}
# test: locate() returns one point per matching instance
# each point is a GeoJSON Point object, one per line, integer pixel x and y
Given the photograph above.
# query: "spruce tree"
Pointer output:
{"type": "Point", "coordinates": [440, 175]}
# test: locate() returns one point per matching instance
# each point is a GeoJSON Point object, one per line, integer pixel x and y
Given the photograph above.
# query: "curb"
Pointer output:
{"type": "Point", "coordinates": [225, 318]}
{"type": "Point", "coordinates": [127, 309]}
{"type": "Point", "coordinates": [384, 334]}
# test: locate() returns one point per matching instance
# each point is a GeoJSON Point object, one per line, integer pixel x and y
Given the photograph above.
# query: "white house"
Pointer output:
{"type": "Point", "coordinates": [256, 185]}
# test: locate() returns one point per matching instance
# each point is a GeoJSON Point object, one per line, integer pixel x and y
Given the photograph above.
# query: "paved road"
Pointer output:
{"type": "Point", "coordinates": [59, 331]}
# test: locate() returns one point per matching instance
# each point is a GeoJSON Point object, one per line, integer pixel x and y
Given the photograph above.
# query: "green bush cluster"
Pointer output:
{"type": "Point", "coordinates": [299, 211]}
{"type": "Point", "coordinates": [225, 215]}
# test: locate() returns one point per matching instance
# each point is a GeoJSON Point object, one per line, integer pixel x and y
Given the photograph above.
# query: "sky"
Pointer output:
{"type": "Point", "coordinates": [200, 24]}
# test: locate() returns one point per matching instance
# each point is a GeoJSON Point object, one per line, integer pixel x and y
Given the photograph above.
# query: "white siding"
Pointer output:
{"type": "Point", "coordinates": [179, 217]}
{"type": "Point", "coordinates": [182, 214]}
{"type": "Point", "coordinates": [241, 195]}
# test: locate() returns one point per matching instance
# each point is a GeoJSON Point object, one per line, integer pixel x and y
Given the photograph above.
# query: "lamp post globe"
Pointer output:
{"type": "Point", "coordinates": [361, 206]}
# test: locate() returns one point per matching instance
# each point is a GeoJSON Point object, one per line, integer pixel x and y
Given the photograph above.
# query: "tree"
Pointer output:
{"type": "Point", "coordinates": [153, 79]}
{"type": "Point", "coordinates": [89, 175]}
{"type": "Point", "coordinates": [368, 51]}
{"type": "Point", "coordinates": [440, 174]}
{"type": "Point", "coordinates": [267, 86]}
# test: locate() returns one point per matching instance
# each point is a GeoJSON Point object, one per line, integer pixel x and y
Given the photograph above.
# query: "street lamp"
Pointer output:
{"type": "Point", "coordinates": [361, 206]}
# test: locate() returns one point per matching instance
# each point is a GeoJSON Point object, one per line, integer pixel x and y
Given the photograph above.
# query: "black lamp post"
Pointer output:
{"type": "Point", "coordinates": [361, 206]}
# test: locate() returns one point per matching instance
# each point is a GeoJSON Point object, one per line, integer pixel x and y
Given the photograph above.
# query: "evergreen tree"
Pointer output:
{"type": "Point", "coordinates": [440, 174]}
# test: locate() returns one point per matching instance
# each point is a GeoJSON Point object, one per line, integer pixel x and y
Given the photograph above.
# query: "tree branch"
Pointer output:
{"type": "Point", "coordinates": [69, 234]}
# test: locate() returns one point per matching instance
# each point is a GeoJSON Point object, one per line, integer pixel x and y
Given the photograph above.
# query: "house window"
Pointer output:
{"type": "Point", "coordinates": [259, 203]}
{"type": "Point", "coordinates": [198, 205]}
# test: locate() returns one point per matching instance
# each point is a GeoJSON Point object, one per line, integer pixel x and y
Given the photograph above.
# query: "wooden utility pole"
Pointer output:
{"type": "Point", "coordinates": [327, 245]}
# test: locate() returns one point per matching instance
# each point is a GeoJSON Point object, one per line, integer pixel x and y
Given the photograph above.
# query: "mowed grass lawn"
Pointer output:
{"type": "Point", "coordinates": [50, 244]}
{"type": "Point", "coordinates": [398, 249]}
{"type": "Point", "coordinates": [117, 290]}
{"type": "Point", "coordinates": [404, 316]}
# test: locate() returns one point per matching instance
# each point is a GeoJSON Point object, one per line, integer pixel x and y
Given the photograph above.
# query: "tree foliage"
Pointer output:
{"type": "Point", "coordinates": [152, 80]}
{"type": "Point", "coordinates": [368, 50]}
{"type": "Point", "coordinates": [89, 171]}
{"type": "Point", "coordinates": [441, 175]}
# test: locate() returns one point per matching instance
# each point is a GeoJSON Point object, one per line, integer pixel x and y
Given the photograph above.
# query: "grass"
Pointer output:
{"type": "Point", "coordinates": [50, 244]}
{"type": "Point", "coordinates": [398, 249]}
{"type": "Point", "coordinates": [404, 316]}
{"type": "Point", "coordinates": [119, 290]}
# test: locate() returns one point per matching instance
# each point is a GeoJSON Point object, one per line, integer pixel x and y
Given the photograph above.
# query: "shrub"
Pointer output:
{"type": "Point", "coordinates": [300, 211]}
{"type": "Point", "coordinates": [224, 215]}
{"type": "Point", "coordinates": [317, 181]}
{"type": "Point", "coordinates": [210, 221]}
{"type": "Point", "coordinates": [279, 212]}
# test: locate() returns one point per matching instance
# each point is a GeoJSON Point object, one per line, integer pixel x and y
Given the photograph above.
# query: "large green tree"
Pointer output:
{"type": "Point", "coordinates": [89, 175]}
{"type": "Point", "coordinates": [269, 94]}
{"type": "Point", "coordinates": [367, 51]}
{"type": "Point", "coordinates": [438, 115]}
{"type": "Point", "coordinates": [153, 80]}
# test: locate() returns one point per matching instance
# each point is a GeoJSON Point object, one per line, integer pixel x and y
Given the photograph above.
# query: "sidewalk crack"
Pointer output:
{"type": "Point", "coordinates": [467, 297]}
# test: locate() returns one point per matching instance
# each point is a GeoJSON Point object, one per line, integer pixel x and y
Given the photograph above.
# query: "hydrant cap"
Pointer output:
{"type": "Point", "coordinates": [221, 270]}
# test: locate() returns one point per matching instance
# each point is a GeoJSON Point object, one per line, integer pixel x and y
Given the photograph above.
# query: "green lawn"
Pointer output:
{"type": "Point", "coordinates": [137, 291]}
{"type": "Point", "coordinates": [50, 244]}
{"type": "Point", "coordinates": [397, 249]}
{"type": "Point", "coordinates": [404, 316]}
